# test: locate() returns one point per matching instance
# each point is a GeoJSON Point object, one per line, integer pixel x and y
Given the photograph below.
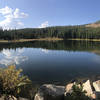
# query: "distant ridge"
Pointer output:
{"type": "Point", "coordinates": [94, 25]}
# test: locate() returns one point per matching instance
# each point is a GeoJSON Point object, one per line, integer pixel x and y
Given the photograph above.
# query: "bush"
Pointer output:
{"type": "Point", "coordinates": [11, 81]}
{"type": "Point", "coordinates": [77, 94]}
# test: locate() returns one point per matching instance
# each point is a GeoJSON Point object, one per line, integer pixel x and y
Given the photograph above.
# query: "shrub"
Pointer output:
{"type": "Point", "coordinates": [77, 94]}
{"type": "Point", "coordinates": [11, 80]}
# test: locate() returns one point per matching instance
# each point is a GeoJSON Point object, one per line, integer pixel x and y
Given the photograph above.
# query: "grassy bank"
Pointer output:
{"type": "Point", "coordinates": [46, 39]}
{"type": "Point", "coordinates": [26, 40]}
{"type": "Point", "coordinates": [96, 40]}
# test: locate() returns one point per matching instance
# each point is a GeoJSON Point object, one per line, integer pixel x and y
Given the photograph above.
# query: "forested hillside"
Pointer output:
{"type": "Point", "coordinates": [65, 32]}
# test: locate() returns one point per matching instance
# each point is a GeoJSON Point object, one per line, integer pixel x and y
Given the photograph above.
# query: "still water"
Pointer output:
{"type": "Point", "coordinates": [53, 62]}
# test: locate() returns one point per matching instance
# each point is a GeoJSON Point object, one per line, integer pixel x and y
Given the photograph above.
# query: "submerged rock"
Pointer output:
{"type": "Point", "coordinates": [50, 92]}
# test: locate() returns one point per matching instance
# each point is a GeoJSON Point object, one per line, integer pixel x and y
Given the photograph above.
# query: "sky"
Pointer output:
{"type": "Point", "coordinates": [44, 13]}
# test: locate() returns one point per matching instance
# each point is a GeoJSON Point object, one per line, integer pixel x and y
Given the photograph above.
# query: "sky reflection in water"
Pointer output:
{"type": "Point", "coordinates": [47, 62]}
{"type": "Point", "coordinates": [10, 57]}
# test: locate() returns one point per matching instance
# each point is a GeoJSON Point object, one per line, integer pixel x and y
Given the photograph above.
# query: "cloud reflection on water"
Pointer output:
{"type": "Point", "coordinates": [45, 50]}
{"type": "Point", "coordinates": [12, 57]}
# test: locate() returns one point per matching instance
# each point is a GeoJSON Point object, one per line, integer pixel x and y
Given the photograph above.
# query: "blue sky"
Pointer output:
{"type": "Point", "coordinates": [42, 13]}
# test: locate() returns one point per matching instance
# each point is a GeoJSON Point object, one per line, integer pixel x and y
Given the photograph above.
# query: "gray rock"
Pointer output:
{"type": "Point", "coordinates": [50, 92]}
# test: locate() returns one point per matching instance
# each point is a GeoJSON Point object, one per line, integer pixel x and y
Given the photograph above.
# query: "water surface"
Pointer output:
{"type": "Point", "coordinates": [53, 62]}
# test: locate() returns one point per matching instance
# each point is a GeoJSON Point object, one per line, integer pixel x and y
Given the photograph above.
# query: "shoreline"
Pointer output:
{"type": "Point", "coordinates": [28, 40]}
{"type": "Point", "coordinates": [94, 40]}
{"type": "Point", "coordinates": [46, 39]}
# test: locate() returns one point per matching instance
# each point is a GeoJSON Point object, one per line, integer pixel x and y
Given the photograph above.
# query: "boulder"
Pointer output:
{"type": "Point", "coordinates": [69, 87]}
{"type": "Point", "coordinates": [87, 87]}
{"type": "Point", "coordinates": [50, 92]}
{"type": "Point", "coordinates": [96, 85]}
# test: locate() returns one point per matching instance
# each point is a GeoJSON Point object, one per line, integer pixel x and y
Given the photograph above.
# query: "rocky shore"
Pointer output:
{"type": "Point", "coordinates": [53, 92]}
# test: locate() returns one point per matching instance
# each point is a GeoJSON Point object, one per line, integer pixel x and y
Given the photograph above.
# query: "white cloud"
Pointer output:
{"type": "Point", "coordinates": [6, 10]}
{"type": "Point", "coordinates": [18, 14]}
{"type": "Point", "coordinates": [12, 18]}
{"type": "Point", "coordinates": [44, 25]}
{"type": "Point", "coordinates": [12, 57]}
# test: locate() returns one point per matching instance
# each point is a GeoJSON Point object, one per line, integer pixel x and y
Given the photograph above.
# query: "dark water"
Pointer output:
{"type": "Point", "coordinates": [53, 62]}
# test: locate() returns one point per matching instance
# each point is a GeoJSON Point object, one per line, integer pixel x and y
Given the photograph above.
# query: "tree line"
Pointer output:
{"type": "Point", "coordinates": [65, 32]}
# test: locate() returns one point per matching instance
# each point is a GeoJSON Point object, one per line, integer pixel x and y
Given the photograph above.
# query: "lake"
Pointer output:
{"type": "Point", "coordinates": [53, 62]}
